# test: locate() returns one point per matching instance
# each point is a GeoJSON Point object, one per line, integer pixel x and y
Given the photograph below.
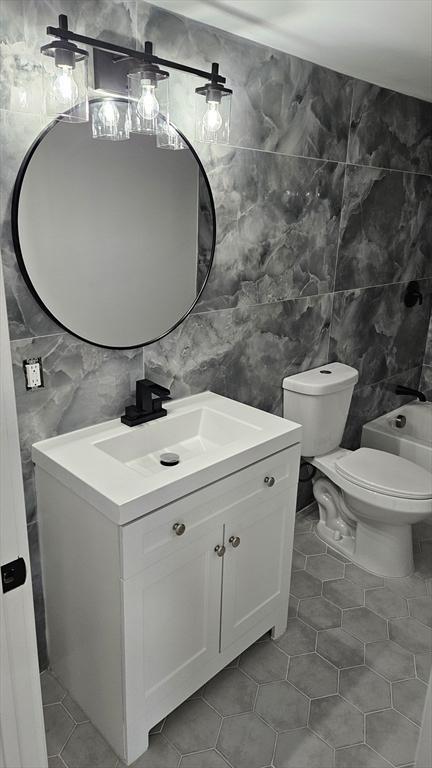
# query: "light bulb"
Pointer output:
{"type": "Point", "coordinates": [64, 88]}
{"type": "Point", "coordinates": [212, 120]}
{"type": "Point", "coordinates": [109, 115]}
{"type": "Point", "coordinates": [148, 105]}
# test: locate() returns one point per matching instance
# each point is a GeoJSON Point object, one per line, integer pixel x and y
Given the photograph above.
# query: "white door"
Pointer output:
{"type": "Point", "coordinates": [22, 735]}
{"type": "Point", "coordinates": [258, 539]}
{"type": "Point", "coordinates": [172, 620]}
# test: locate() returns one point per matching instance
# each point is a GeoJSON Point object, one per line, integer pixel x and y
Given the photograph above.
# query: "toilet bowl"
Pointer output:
{"type": "Point", "coordinates": [368, 499]}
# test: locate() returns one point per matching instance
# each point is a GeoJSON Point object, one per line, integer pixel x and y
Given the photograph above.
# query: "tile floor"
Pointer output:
{"type": "Point", "coordinates": [344, 687]}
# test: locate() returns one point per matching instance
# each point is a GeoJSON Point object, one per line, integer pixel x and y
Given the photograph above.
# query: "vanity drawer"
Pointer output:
{"type": "Point", "coordinates": [167, 530]}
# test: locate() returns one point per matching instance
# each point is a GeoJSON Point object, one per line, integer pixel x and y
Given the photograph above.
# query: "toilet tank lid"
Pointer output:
{"type": "Point", "coordinates": [333, 377]}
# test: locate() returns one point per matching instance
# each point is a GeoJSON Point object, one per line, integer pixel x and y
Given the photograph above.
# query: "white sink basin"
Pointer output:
{"type": "Point", "coordinates": [117, 468]}
{"type": "Point", "coordinates": [196, 433]}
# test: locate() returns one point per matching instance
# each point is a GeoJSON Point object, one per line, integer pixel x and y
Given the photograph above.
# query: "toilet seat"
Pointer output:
{"type": "Point", "coordinates": [385, 473]}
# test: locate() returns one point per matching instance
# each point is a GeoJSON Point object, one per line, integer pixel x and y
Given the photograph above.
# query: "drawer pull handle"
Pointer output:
{"type": "Point", "coordinates": [220, 550]}
{"type": "Point", "coordinates": [234, 541]}
{"type": "Point", "coordinates": [269, 481]}
{"type": "Point", "coordinates": [179, 529]}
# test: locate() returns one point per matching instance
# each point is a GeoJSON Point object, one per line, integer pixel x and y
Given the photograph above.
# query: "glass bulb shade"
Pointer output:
{"type": "Point", "coordinates": [168, 137]}
{"type": "Point", "coordinates": [212, 117]}
{"type": "Point", "coordinates": [65, 90]}
{"type": "Point", "coordinates": [148, 105]}
{"type": "Point", "coordinates": [110, 120]}
{"type": "Point", "coordinates": [148, 101]}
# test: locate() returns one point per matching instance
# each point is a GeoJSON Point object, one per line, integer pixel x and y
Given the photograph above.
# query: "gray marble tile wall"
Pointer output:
{"type": "Point", "coordinates": [324, 213]}
{"type": "Point", "coordinates": [426, 377]}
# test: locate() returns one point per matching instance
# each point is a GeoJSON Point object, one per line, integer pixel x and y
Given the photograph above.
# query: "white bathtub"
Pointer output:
{"type": "Point", "coordinates": [413, 441]}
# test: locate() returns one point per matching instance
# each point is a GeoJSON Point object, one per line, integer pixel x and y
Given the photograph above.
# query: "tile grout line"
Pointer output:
{"type": "Point", "coordinates": [42, 118]}
{"type": "Point", "coordinates": [308, 297]}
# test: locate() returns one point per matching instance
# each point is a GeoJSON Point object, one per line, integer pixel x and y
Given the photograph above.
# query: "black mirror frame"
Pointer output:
{"type": "Point", "coordinates": [20, 259]}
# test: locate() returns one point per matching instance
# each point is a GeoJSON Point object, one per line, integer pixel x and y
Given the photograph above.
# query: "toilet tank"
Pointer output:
{"type": "Point", "coordinates": [319, 400]}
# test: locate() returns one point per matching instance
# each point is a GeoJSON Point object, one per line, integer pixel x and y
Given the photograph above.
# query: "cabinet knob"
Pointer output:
{"type": "Point", "coordinates": [269, 481]}
{"type": "Point", "coordinates": [220, 550]}
{"type": "Point", "coordinates": [179, 529]}
{"type": "Point", "coordinates": [234, 541]}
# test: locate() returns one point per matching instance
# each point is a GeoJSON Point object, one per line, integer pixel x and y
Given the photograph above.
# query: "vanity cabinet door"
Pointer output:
{"type": "Point", "coordinates": [171, 627]}
{"type": "Point", "coordinates": [257, 562]}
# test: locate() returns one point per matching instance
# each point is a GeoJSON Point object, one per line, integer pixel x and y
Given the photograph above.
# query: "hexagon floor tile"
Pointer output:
{"type": "Point", "coordinates": [319, 613]}
{"type": "Point", "coordinates": [421, 608]}
{"type": "Point", "coordinates": [390, 659]}
{"type": "Point", "coordinates": [386, 603]}
{"type": "Point", "coordinates": [309, 544]}
{"type": "Point", "coordinates": [409, 586]}
{"type": "Point", "coordinates": [264, 662]}
{"type": "Point", "coordinates": [192, 727]}
{"type": "Point", "coordinates": [58, 727]}
{"type": "Point", "coordinates": [246, 741]}
{"type": "Point", "coordinates": [324, 567]}
{"type": "Point", "coordinates": [52, 691]}
{"type": "Point", "coordinates": [313, 675]}
{"type": "Point", "coordinates": [87, 747]}
{"type": "Point", "coordinates": [423, 665]}
{"type": "Point", "coordinates": [302, 749]}
{"type": "Point", "coordinates": [360, 756]}
{"type": "Point", "coordinates": [208, 759]}
{"type": "Point", "coordinates": [340, 648]}
{"type": "Point", "coordinates": [303, 584]}
{"type": "Point", "coordinates": [392, 736]}
{"type": "Point", "coordinates": [362, 578]}
{"type": "Point", "coordinates": [298, 561]}
{"type": "Point", "coordinates": [336, 721]}
{"type": "Point", "coordinates": [365, 689]}
{"type": "Point", "coordinates": [409, 698]}
{"type": "Point", "coordinates": [364, 625]}
{"type": "Point", "coordinates": [343, 593]}
{"type": "Point", "coordinates": [231, 692]}
{"type": "Point", "coordinates": [298, 638]}
{"type": "Point", "coordinates": [282, 706]}
{"type": "Point", "coordinates": [411, 635]}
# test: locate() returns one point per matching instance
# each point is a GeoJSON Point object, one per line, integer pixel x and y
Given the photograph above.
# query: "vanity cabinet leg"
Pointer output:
{"type": "Point", "coordinates": [280, 625]}
{"type": "Point", "coordinates": [142, 745]}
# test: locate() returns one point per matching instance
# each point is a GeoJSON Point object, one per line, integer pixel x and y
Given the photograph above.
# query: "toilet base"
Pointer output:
{"type": "Point", "coordinates": [383, 549]}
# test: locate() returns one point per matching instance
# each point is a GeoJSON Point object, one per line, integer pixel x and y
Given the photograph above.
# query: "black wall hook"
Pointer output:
{"type": "Point", "coordinates": [413, 294]}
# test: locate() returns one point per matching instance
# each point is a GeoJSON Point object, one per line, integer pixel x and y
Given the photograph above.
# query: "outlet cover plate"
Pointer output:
{"type": "Point", "coordinates": [33, 373]}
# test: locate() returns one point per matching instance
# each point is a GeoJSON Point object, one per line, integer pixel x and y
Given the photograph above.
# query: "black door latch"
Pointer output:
{"type": "Point", "coordinates": [13, 574]}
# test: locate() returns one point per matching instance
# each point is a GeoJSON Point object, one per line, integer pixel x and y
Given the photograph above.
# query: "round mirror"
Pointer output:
{"type": "Point", "coordinates": [115, 239]}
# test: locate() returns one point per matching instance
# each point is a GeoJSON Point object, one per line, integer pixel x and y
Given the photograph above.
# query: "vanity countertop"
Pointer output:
{"type": "Point", "coordinates": [117, 468]}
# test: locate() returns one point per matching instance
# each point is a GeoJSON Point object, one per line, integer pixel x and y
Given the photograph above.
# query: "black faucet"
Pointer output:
{"type": "Point", "coordinates": [401, 390]}
{"type": "Point", "coordinates": [149, 398]}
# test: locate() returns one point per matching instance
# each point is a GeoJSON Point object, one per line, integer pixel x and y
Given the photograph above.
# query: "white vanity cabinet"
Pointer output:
{"type": "Point", "coordinates": [141, 615]}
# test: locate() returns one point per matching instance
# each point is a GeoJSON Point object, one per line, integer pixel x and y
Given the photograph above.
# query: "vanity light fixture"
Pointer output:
{"type": "Point", "coordinates": [65, 82]}
{"type": "Point", "coordinates": [148, 96]}
{"type": "Point", "coordinates": [121, 71]}
{"type": "Point", "coordinates": [212, 116]}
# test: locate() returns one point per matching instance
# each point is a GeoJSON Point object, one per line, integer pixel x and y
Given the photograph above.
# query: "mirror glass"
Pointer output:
{"type": "Point", "coordinates": [114, 238]}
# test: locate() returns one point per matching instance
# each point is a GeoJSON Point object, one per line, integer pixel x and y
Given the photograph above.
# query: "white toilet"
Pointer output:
{"type": "Point", "coordinates": [367, 499]}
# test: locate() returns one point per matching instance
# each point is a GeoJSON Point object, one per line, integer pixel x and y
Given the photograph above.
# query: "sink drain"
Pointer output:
{"type": "Point", "coordinates": [169, 459]}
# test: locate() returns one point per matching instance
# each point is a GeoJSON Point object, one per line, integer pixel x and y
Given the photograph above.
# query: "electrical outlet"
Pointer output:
{"type": "Point", "coordinates": [33, 372]}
